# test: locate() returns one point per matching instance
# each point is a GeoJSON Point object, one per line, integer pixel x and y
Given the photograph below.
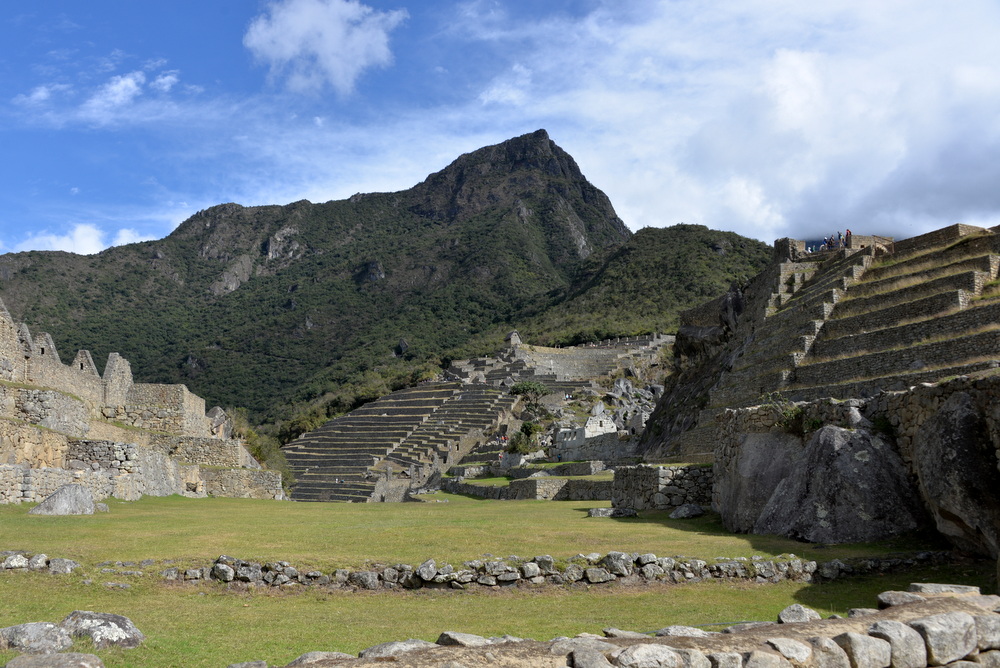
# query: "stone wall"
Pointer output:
{"type": "Point", "coordinates": [935, 238]}
{"type": "Point", "coordinates": [161, 408]}
{"type": "Point", "coordinates": [889, 362]}
{"type": "Point", "coordinates": [29, 446]}
{"type": "Point", "coordinates": [545, 489]}
{"type": "Point", "coordinates": [242, 483]}
{"type": "Point", "coordinates": [47, 371]}
{"type": "Point", "coordinates": [647, 487]}
{"type": "Point", "coordinates": [854, 339]}
{"type": "Point", "coordinates": [37, 462]}
{"type": "Point", "coordinates": [611, 446]}
{"type": "Point", "coordinates": [204, 451]}
{"type": "Point", "coordinates": [12, 349]}
{"type": "Point", "coordinates": [117, 380]}
{"type": "Point", "coordinates": [46, 408]}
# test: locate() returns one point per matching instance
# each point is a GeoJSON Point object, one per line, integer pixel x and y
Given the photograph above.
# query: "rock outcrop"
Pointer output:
{"type": "Point", "coordinates": [955, 459]}
{"type": "Point", "coordinates": [920, 458]}
{"type": "Point", "coordinates": [846, 486]}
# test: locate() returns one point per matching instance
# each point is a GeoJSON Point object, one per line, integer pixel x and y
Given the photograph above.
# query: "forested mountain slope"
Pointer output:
{"type": "Point", "coordinates": [269, 306]}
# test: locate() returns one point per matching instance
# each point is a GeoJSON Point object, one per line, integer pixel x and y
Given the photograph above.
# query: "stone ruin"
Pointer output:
{"type": "Point", "coordinates": [848, 395]}
{"type": "Point", "coordinates": [68, 423]}
{"type": "Point", "coordinates": [385, 449]}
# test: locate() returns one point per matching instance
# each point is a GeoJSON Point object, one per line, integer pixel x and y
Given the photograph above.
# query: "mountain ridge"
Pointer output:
{"type": "Point", "coordinates": [320, 307]}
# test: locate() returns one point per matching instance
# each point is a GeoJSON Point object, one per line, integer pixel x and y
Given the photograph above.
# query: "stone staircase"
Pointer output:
{"type": "Point", "coordinates": [453, 429]}
{"type": "Point", "coordinates": [343, 459]}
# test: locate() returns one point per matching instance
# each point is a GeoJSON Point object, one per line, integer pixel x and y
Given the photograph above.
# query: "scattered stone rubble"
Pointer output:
{"type": "Point", "coordinates": [25, 561]}
{"type": "Point", "coordinates": [543, 570]}
{"type": "Point", "coordinates": [950, 625]}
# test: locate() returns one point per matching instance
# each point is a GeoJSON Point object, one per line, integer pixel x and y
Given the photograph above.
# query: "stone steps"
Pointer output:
{"type": "Point", "coordinates": [786, 336]}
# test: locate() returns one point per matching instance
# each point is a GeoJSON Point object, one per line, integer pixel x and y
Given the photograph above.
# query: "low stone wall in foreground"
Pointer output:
{"type": "Point", "coordinates": [589, 569]}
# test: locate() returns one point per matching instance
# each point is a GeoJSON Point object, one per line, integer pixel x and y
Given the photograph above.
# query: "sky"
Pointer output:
{"type": "Point", "coordinates": [770, 118]}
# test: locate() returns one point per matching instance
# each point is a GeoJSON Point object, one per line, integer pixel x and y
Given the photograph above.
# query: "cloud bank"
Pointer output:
{"type": "Point", "coordinates": [314, 43]}
{"type": "Point", "coordinates": [770, 118]}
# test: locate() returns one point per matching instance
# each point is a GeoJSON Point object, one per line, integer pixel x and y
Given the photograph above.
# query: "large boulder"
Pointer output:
{"type": "Point", "coordinates": [35, 638]}
{"type": "Point", "coordinates": [746, 483]}
{"type": "Point", "coordinates": [67, 500]}
{"type": "Point", "coordinates": [104, 629]}
{"type": "Point", "coordinates": [955, 460]}
{"type": "Point", "coordinates": [848, 486]}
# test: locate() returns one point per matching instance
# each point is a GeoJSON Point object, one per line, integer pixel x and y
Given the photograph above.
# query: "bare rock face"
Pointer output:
{"type": "Point", "coordinates": [849, 486]}
{"type": "Point", "coordinates": [956, 464]}
{"type": "Point", "coordinates": [67, 500]}
{"type": "Point", "coordinates": [765, 460]}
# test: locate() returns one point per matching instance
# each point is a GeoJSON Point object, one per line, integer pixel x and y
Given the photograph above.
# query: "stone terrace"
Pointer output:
{"type": "Point", "coordinates": [927, 312]}
{"type": "Point", "coordinates": [415, 427]}
{"type": "Point", "coordinates": [861, 324]}
{"type": "Point", "coordinates": [852, 322]}
{"type": "Point", "coordinates": [561, 370]}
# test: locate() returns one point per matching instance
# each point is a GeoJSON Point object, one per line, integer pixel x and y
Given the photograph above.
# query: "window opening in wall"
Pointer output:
{"type": "Point", "coordinates": [81, 366]}
{"type": "Point", "coordinates": [43, 351]}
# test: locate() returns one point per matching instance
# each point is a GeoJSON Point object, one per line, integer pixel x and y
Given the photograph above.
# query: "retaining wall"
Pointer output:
{"type": "Point", "coordinates": [934, 239]}
{"type": "Point", "coordinates": [205, 451]}
{"type": "Point", "coordinates": [966, 320]}
{"type": "Point", "coordinates": [242, 483]}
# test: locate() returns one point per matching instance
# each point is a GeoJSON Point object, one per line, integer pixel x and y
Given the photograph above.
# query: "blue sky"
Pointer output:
{"type": "Point", "coordinates": [119, 119]}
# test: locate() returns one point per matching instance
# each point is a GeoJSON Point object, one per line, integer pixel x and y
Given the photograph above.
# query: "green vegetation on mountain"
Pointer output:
{"type": "Point", "coordinates": [304, 311]}
{"type": "Point", "coordinates": [645, 284]}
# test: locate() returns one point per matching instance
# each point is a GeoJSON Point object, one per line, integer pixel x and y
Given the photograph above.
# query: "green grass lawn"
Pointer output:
{"type": "Point", "coordinates": [206, 625]}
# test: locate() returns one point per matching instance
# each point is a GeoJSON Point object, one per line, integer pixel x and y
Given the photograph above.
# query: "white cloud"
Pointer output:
{"type": "Point", "coordinates": [128, 236]}
{"type": "Point", "coordinates": [165, 81]}
{"type": "Point", "coordinates": [312, 43]}
{"type": "Point", "coordinates": [511, 88]}
{"type": "Point", "coordinates": [118, 92]}
{"type": "Point", "coordinates": [767, 117]}
{"type": "Point", "coordinates": [83, 239]}
{"type": "Point", "coordinates": [40, 94]}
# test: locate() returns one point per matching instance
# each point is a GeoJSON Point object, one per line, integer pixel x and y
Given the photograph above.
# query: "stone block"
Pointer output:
{"type": "Point", "coordinates": [949, 637]}
{"type": "Point", "coordinates": [906, 645]}
{"type": "Point", "coordinates": [865, 651]}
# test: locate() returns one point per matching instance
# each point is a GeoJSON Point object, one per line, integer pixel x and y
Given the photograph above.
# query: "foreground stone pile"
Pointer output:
{"type": "Point", "coordinates": [932, 625]}
{"type": "Point", "coordinates": [544, 570]}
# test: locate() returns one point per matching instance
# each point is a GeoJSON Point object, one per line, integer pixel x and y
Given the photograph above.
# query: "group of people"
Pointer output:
{"type": "Point", "coordinates": [833, 242]}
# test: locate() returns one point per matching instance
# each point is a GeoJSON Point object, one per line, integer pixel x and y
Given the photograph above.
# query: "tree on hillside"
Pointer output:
{"type": "Point", "coordinates": [531, 390]}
